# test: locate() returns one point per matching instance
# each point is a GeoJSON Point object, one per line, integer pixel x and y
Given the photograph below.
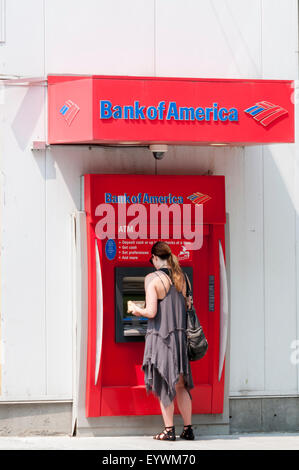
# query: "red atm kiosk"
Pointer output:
{"type": "Point", "coordinates": [125, 215]}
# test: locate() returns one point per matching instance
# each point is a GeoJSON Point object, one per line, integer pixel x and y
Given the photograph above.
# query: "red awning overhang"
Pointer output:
{"type": "Point", "coordinates": [114, 110]}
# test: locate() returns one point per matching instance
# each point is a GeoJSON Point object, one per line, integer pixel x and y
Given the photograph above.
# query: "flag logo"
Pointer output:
{"type": "Point", "coordinates": [69, 111]}
{"type": "Point", "coordinates": [199, 198]}
{"type": "Point", "coordinates": [266, 113]}
{"type": "Point", "coordinates": [184, 253]}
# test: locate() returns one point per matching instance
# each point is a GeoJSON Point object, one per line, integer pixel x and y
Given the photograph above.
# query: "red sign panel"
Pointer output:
{"type": "Point", "coordinates": [139, 110]}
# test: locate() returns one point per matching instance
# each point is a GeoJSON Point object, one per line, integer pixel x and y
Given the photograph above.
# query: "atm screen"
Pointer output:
{"type": "Point", "coordinates": [130, 286]}
{"type": "Point", "coordinates": [133, 289]}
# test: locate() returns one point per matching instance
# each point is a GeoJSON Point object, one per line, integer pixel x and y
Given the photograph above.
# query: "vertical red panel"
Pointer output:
{"type": "Point", "coordinates": [93, 392]}
{"type": "Point", "coordinates": [218, 386]}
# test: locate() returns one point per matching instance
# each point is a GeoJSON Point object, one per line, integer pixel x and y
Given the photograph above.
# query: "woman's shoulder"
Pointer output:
{"type": "Point", "coordinates": [156, 278]}
{"type": "Point", "coordinates": [149, 278]}
{"type": "Point", "coordinates": [155, 274]}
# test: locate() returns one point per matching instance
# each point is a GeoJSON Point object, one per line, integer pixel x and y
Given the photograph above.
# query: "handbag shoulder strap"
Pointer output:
{"type": "Point", "coordinates": [188, 288]}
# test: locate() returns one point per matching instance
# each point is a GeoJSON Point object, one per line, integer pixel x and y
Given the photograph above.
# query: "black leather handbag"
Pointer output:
{"type": "Point", "coordinates": [197, 344]}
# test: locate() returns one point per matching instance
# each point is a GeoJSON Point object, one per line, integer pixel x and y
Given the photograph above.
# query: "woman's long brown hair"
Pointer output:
{"type": "Point", "coordinates": [162, 249]}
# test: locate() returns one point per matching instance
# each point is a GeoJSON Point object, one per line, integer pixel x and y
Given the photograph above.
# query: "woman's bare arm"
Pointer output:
{"type": "Point", "coordinates": [151, 300]}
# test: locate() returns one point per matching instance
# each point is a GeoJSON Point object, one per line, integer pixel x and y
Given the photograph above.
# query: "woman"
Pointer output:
{"type": "Point", "coordinates": [167, 371]}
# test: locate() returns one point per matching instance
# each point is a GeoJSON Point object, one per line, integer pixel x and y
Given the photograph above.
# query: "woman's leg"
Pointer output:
{"type": "Point", "coordinates": [167, 413]}
{"type": "Point", "coordinates": [184, 401]}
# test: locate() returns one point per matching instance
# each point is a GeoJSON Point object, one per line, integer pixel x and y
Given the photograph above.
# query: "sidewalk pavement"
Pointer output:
{"type": "Point", "coordinates": [252, 441]}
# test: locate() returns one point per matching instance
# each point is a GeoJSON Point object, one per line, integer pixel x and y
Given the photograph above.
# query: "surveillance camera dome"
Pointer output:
{"type": "Point", "coordinates": [158, 155]}
{"type": "Point", "coordinates": [158, 151]}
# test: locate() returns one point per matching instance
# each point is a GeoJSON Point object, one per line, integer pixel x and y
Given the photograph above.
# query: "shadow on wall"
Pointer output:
{"type": "Point", "coordinates": [66, 163]}
{"type": "Point", "coordinates": [24, 123]}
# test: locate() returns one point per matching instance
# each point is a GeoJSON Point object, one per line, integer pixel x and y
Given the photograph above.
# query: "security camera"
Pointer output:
{"type": "Point", "coordinates": [158, 151]}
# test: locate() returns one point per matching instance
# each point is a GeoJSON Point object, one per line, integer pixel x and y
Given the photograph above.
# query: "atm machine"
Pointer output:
{"type": "Point", "coordinates": [121, 229]}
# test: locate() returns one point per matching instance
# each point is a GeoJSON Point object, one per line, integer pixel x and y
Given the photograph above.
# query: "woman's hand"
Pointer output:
{"type": "Point", "coordinates": [151, 302]}
{"type": "Point", "coordinates": [133, 308]}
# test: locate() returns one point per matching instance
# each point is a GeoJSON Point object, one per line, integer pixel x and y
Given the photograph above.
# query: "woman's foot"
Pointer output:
{"type": "Point", "coordinates": [168, 434]}
{"type": "Point", "coordinates": [187, 433]}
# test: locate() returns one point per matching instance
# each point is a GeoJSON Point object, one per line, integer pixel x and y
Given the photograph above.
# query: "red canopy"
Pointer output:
{"type": "Point", "coordinates": [147, 110]}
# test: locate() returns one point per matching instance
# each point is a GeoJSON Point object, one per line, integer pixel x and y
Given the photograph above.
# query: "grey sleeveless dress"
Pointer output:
{"type": "Point", "coordinates": [165, 353]}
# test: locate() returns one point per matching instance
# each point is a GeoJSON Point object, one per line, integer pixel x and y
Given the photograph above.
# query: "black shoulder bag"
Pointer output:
{"type": "Point", "coordinates": [197, 344]}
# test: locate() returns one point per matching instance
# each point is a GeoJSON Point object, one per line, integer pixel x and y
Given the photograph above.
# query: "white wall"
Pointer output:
{"type": "Point", "coordinates": [39, 190]}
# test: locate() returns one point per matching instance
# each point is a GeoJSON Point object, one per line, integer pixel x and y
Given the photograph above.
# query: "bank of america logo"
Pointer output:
{"type": "Point", "coordinates": [266, 113]}
{"type": "Point", "coordinates": [199, 198]}
{"type": "Point", "coordinates": [69, 111]}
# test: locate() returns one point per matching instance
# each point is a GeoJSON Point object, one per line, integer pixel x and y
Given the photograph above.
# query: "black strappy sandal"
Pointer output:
{"type": "Point", "coordinates": [188, 433]}
{"type": "Point", "coordinates": [166, 435]}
